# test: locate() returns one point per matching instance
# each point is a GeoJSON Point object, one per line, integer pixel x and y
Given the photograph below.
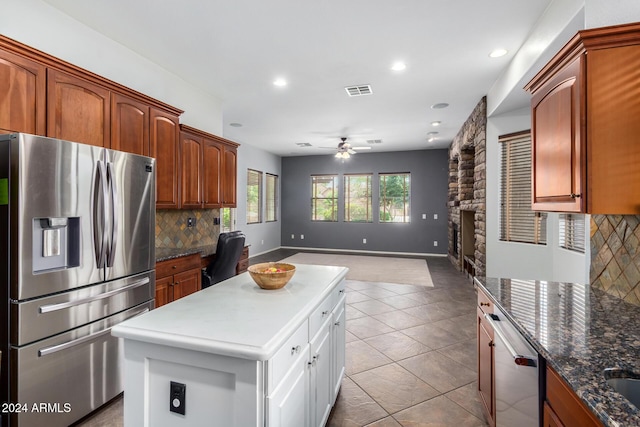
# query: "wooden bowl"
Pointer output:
{"type": "Point", "coordinates": [266, 279]}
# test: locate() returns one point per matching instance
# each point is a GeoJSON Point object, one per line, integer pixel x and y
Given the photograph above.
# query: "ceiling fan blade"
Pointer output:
{"type": "Point", "coordinates": [350, 151]}
{"type": "Point", "coordinates": [361, 148]}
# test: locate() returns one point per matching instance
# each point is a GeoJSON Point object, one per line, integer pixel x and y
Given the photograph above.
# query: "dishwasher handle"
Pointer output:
{"type": "Point", "coordinates": [518, 359]}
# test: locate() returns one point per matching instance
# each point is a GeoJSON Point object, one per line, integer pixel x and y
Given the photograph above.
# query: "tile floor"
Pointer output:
{"type": "Point", "coordinates": [411, 354]}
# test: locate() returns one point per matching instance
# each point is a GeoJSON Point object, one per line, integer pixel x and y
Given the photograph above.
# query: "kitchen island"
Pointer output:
{"type": "Point", "coordinates": [239, 355]}
{"type": "Point", "coordinates": [579, 331]}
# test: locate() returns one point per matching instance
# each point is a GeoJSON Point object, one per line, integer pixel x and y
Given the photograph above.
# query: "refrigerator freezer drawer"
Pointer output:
{"type": "Point", "coordinates": [43, 317]}
{"type": "Point", "coordinates": [69, 375]}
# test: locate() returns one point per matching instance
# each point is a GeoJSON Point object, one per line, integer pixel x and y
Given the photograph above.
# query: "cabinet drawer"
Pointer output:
{"type": "Point", "coordinates": [280, 363]}
{"type": "Point", "coordinates": [566, 405]}
{"type": "Point", "coordinates": [337, 294]}
{"type": "Point", "coordinates": [242, 266]}
{"type": "Point", "coordinates": [485, 304]}
{"type": "Point", "coordinates": [319, 315]}
{"type": "Point", "coordinates": [177, 265]}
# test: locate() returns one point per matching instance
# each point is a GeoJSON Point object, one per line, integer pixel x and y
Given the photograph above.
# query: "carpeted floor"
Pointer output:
{"type": "Point", "coordinates": [407, 271]}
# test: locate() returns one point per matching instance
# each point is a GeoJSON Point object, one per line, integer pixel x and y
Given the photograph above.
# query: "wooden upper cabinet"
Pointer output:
{"type": "Point", "coordinates": [22, 94]}
{"type": "Point", "coordinates": [165, 147]}
{"type": "Point", "coordinates": [556, 128]}
{"type": "Point", "coordinates": [191, 170]}
{"type": "Point", "coordinates": [229, 180]}
{"type": "Point", "coordinates": [585, 126]}
{"type": "Point", "coordinates": [129, 125]}
{"type": "Point", "coordinates": [77, 110]}
{"type": "Point", "coordinates": [212, 179]}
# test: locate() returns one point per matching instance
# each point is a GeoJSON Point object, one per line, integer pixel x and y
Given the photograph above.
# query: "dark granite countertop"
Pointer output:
{"type": "Point", "coordinates": [163, 254]}
{"type": "Point", "coordinates": [580, 331]}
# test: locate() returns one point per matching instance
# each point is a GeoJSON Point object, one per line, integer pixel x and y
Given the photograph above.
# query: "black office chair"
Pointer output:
{"type": "Point", "coordinates": [223, 266]}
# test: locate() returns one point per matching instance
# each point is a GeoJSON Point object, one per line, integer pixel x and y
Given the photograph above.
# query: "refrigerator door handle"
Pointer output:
{"type": "Point", "coordinates": [111, 253]}
{"type": "Point", "coordinates": [99, 220]}
{"type": "Point", "coordinates": [61, 306]}
{"type": "Point", "coordinates": [56, 348]}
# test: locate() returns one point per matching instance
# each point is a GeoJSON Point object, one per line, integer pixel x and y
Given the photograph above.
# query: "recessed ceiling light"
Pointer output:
{"type": "Point", "coordinates": [497, 53]}
{"type": "Point", "coordinates": [431, 139]}
{"type": "Point", "coordinates": [280, 82]}
{"type": "Point", "coordinates": [432, 133]}
{"type": "Point", "coordinates": [398, 66]}
{"type": "Point", "coordinates": [439, 105]}
{"type": "Point", "coordinates": [236, 125]}
{"type": "Point", "coordinates": [436, 123]}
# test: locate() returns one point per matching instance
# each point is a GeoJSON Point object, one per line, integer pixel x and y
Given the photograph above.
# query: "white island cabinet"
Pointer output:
{"type": "Point", "coordinates": [245, 356]}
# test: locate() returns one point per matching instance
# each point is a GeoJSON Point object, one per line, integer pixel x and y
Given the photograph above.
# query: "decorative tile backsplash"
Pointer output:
{"type": "Point", "coordinates": [172, 230]}
{"type": "Point", "coordinates": [615, 255]}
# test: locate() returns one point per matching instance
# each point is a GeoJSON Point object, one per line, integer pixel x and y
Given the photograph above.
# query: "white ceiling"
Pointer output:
{"type": "Point", "coordinates": [235, 49]}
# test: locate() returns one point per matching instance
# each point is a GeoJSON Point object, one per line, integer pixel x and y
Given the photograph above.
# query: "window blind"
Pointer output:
{"type": "Point", "coordinates": [518, 223]}
{"type": "Point", "coordinates": [572, 232]}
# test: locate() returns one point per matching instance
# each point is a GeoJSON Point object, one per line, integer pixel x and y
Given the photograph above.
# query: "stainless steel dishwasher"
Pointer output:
{"type": "Point", "coordinates": [516, 375]}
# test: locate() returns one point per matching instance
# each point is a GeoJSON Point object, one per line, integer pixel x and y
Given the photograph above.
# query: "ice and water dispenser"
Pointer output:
{"type": "Point", "coordinates": [56, 243]}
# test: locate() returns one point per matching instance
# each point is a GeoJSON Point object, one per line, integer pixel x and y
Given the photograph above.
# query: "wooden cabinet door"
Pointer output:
{"type": "Point", "coordinates": [212, 169]}
{"type": "Point", "coordinates": [612, 130]}
{"type": "Point", "coordinates": [129, 125]}
{"type": "Point", "coordinates": [549, 418]}
{"type": "Point", "coordinates": [485, 368]}
{"type": "Point", "coordinates": [558, 169]}
{"type": "Point", "coordinates": [164, 146]}
{"type": "Point", "coordinates": [191, 170]}
{"type": "Point", "coordinates": [186, 283]}
{"type": "Point", "coordinates": [230, 163]}
{"type": "Point", "coordinates": [22, 95]}
{"type": "Point", "coordinates": [77, 110]}
{"type": "Point", "coordinates": [164, 291]}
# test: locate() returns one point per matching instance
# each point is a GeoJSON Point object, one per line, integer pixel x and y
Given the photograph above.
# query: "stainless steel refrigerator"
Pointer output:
{"type": "Point", "coordinates": [77, 256]}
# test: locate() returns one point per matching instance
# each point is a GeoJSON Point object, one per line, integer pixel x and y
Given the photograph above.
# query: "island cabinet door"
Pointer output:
{"type": "Point", "coordinates": [338, 343]}
{"type": "Point", "coordinates": [288, 405]}
{"type": "Point", "coordinates": [321, 391]}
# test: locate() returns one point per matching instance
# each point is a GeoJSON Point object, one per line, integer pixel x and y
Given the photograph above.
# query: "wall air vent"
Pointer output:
{"type": "Point", "coordinates": [359, 90]}
{"type": "Point", "coordinates": [374, 141]}
{"type": "Point", "coordinates": [303, 144]}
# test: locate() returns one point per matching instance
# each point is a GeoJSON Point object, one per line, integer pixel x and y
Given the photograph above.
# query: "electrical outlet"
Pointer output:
{"type": "Point", "coordinates": [191, 221]}
{"type": "Point", "coordinates": [435, 243]}
{"type": "Point", "coordinates": [293, 236]}
{"type": "Point", "coordinates": [364, 241]}
{"type": "Point", "coordinates": [177, 396]}
{"type": "Point", "coordinates": [302, 237]}
{"type": "Point", "coordinates": [262, 242]}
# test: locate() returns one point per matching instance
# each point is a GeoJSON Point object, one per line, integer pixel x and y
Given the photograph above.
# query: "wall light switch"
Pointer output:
{"type": "Point", "coordinates": [424, 216]}
{"type": "Point", "coordinates": [435, 216]}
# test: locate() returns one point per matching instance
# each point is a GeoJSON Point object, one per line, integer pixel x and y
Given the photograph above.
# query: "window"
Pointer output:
{"type": "Point", "coordinates": [324, 198]}
{"type": "Point", "coordinates": [518, 223]}
{"type": "Point", "coordinates": [272, 197]}
{"type": "Point", "coordinates": [357, 198]}
{"type": "Point", "coordinates": [227, 219]}
{"type": "Point", "coordinates": [254, 196]}
{"type": "Point", "coordinates": [394, 197]}
{"type": "Point", "coordinates": [572, 232]}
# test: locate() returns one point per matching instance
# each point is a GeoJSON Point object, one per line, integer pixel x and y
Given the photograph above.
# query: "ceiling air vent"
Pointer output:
{"type": "Point", "coordinates": [359, 90]}
{"type": "Point", "coordinates": [374, 141]}
{"type": "Point", "coordinates": [303, 144]}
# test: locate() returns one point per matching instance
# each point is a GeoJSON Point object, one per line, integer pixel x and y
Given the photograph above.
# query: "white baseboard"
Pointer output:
{"type": "Point", "coordinates": [361, 251]}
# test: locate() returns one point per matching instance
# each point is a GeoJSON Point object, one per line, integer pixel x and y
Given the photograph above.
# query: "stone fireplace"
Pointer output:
{"type": "Point", "coordinates": [467, 194]}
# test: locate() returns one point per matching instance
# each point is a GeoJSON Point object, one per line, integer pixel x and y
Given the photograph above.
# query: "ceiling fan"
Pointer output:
{"type": "Point", "coordinates": [345, 150]}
